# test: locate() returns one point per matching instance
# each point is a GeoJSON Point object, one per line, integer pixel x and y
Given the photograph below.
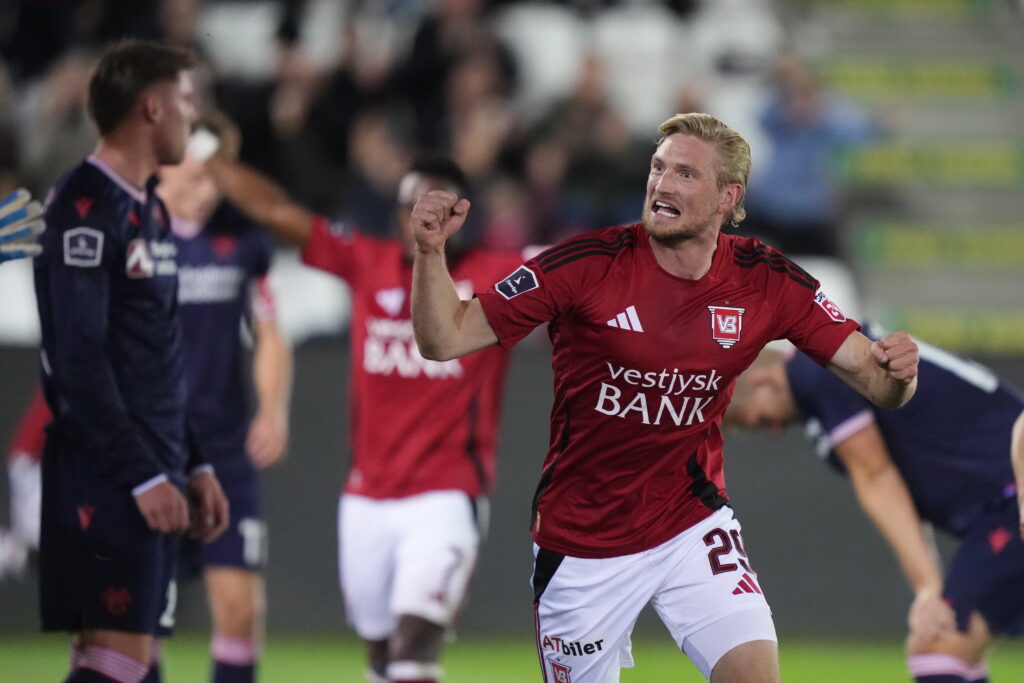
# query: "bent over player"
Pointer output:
{"type": "Point", "coordinates": [119, 459]}
{"type": "Point", "coordinates": [944, 460]}
{"type": "Point", "coordinates": [423, 433]}
{"type": "Point", "coordinates": [650, 325]}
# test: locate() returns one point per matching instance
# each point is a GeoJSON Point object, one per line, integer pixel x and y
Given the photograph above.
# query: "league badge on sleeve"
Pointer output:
{"type": "Point", "coordinates": [829, 306]}
{"type": "Point", "coordinates": [523, 280]}
{"type": "Point", "coordinates": [726, 324]}
{"type": "Point", "coordinates": [83, 247]}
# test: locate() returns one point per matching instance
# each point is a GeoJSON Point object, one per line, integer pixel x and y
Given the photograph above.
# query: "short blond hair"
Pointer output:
{"type": "Point", "coordinates": [733, 152]}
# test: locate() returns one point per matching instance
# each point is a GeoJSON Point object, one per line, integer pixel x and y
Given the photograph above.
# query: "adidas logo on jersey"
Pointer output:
{"type": "Point", "coordinates": [746, 585]}
{"type": "Point", "coordinates": [627, 320]}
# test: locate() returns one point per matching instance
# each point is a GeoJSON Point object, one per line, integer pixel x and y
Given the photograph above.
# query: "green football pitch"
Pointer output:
{"type": "Point", "coordinates": [323, 659]}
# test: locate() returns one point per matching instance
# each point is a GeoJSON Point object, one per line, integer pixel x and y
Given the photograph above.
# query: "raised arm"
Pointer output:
{"type": "Point", "coordinates": [884, 372]}
{"type": "Point", "coordinates": [1017, 457]}
{"type": "Point", "coordinates": [261, 199]}
{"type": "Point", "coordinates": [884, 497]}
{"type": "Point", "coordinates": [445, 326]}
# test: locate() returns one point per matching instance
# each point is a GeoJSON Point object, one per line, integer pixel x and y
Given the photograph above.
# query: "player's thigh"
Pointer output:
{"type": "Point", "coordinates": [101, 567]}
{"type": "Point", "coordinates": [711, 601]}
{"type": "Point", "coordinates": [755, 661]}
{"type": "Point", "coordinates": [366, 551]}
{"type": "Point", "coordinates": [986, 576]}
{"type": "Point", "coordinates": [435, 555]}
{"type": "Point", "coordinates": [584, 612]}
{"type": "Point", "coordinates": [237, 601]}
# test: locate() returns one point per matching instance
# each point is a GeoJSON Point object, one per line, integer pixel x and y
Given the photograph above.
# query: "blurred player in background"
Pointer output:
{"type": "Point", "coordinates": [943, 459]}
{"type": "Point", "coordinates": [24, 453]}
{"type": "Point", "coordinates": [122, 474]}
{"type": "Point", "coordinates": [423, 434]}
{"type": "Point", "coordinates": [650, 325]}
{"type": "Point", "coordinates": [223, 289]}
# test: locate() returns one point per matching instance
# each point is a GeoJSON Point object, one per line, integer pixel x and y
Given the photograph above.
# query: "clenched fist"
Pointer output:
{"type": "Point", "coordinates": [437, 216]}
{"type": "Point", "coordinates": [897, 354]}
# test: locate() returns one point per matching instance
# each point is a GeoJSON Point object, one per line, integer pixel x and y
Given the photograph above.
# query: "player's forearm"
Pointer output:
{"type": "Point", "coordinates": [884, 497]}
{"type": "Point", "coordinates": [262, 200]}
{"type": "Point", "coordinates": [888, 393]}
{"type": "Point", "coordinates": [272, 373]}
{"type": "Point", "coordinates": [435, 307]}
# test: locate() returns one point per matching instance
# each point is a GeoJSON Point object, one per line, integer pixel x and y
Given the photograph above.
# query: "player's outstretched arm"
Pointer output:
{"type": "Point", "coordinates": [272, 376]}
{"type": "Point", "coordinates": [21, 223]}
{"type": "Point", "coordinates": [884, 371]}
{"type": "Point", "coordinates": [445, 326]}
{"type": "Point", "coordinates": [261, 199]}
{"type": "Point", "coordinates": [1017, 457]}
{"type": "Point", "coordinates": [884, 497]}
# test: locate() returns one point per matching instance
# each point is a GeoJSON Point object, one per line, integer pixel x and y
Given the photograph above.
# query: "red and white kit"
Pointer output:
{"type": "Point", "coordinates": [403, 448]}
{"type": "Point", "coordinates": [644, 366]}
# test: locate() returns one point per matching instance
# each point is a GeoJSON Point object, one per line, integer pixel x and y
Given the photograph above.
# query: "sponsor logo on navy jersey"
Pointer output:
{"type": "Point", "coordinates": [523, 280]}
{"type": "Point", "coordinates": [209, 284]}
{"type": "Point", "coordinates": [726, 324]}
{"type": "Point", "coordinates": [144, 259]}
{"type": "Point", "coordinates": [829, 306]}
{"type": "Point", "coordinates": [83, 247]}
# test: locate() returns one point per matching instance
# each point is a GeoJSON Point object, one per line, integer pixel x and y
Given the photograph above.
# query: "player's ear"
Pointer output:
{"type": "Point", "coordinates": [152, 106]}
{"type": "Point", "coordinates": [730, 197]}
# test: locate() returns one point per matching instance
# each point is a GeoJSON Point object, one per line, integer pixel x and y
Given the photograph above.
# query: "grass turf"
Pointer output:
{"type": "Point", "coordinates": [323, 659]}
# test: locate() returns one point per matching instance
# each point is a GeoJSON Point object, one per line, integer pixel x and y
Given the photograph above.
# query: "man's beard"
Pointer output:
{"type": "Point", "coordinates": [676, 237]}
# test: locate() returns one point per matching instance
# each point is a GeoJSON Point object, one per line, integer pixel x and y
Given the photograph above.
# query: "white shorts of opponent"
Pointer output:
{"type": "Point", "coordinates": [405, 556]}
{"type": "Point", "coordinates": [700, 583]}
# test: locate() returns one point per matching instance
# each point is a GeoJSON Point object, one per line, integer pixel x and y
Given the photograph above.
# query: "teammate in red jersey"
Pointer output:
{"type": "Point", "coordinates": [650, 325]}
{"type": "Point", "coordinates": [423, 433]}
{"type": "Point", "coordinates": [24, 453]}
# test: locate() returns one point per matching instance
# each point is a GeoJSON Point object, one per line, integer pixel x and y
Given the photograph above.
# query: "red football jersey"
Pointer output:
{"type": "Point", "coordinates": [644, 366]}
{"type": "Point", "coordinates": [415, 425]}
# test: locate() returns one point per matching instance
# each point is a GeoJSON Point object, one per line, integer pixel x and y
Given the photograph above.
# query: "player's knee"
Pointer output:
{"type": "Point", "coordinates": [241, 615]}
{"type": "Point", "coordinates": [970, 647]}
{"type": "Point", "coordinates": [416, 639]}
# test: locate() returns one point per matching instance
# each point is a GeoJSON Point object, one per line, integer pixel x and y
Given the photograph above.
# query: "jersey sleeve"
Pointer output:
{"type": "Point", "coordinates": [527, 297]}
{"type": "Point", "coordinates": [81, 257]}
{"type": "Point", "coordinates": [821, 396]}
{"type": "Point", "coordinates": [329, 251]}
{"type": "Point", "coordinates": [809, 319]}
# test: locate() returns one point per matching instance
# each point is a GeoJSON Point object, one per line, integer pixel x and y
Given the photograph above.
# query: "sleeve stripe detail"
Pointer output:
{"type": "Point", "coordinates": [148, 484]}
{"type": "Point", "coordinates": [558, 252]}
{"type": "Point", "coordinates": [850, 426]}
{"type": "Point", "coordinates": [779, 267]}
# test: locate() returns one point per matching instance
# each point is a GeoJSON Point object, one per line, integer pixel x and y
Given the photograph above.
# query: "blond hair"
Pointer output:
{"type": "Point", "coordinates": [733, 152]}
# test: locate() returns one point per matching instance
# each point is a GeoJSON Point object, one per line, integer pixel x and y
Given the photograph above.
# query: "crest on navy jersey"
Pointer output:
{"type": "Point", "coordinates": [83, 247]}
{"type": "Point", "coordinates": [726, 324]}
{"type": "Point", "coordinates": [523, 280]}
{"type": "Point", "coordinates": [139, 261]}
{"type": "Point", "coordinates": [829, 306]}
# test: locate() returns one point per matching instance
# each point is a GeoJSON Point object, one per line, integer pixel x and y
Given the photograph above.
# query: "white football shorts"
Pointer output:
{"type": "Point", "coordinates": [405, 556]}
{"type": "Point", "coordinates": [700, 583]}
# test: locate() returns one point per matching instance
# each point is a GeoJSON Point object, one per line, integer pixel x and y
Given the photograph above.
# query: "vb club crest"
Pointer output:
{"type": "Point", "coordinates": [726, 324]}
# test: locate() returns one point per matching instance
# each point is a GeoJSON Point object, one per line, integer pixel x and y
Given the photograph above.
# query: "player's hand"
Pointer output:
{"type": "Point", "coordinates": [930, 616]}
{"type": "Point", "coordinates": [268, 440]}
{"type": "Point", "coordinates": [436, 216]}
{"type": "Point", "coordinates": [164, 508]}
{"type": "Point", "coordinates": [209, 507]}
{"type": "Point", "coordinates": [20, 225]}
{"type": "Point", "coordinates": [897, 354]}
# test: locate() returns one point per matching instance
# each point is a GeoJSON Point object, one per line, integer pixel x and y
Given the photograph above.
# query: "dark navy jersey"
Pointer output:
{"type": "Point", "coordinates": [221, 271]}
{"type": "Point", "coordinates": [106, 287]}
{"type": "Point", "coordinates": [951, 442]}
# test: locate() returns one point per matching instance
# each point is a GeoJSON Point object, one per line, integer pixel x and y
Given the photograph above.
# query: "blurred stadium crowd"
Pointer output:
{"type": "Point", "coordinates": [882, 132]}
{"type": "Point", "coordinates": [549, 107]}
